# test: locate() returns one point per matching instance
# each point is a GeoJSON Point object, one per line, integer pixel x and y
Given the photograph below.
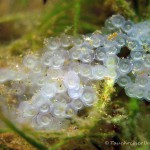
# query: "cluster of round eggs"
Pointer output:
{"type": "Point", "coordinates": [56, 84]}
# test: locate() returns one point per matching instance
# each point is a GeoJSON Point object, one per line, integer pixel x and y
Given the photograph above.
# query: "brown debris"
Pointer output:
{"type": "Point", "coordinates": [13, 142]}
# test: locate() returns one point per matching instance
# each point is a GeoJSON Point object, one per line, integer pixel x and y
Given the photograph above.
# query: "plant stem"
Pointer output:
{"type": "Point", "coordinates": [76, 16]}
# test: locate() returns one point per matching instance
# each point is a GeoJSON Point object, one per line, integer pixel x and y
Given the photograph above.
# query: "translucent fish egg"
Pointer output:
{"type": "Point", "coordinates": [88, 97]}
{"type": "Point", "coordinates": [124, 66]}
{"type": "Point", "coordinates": [71, 80]}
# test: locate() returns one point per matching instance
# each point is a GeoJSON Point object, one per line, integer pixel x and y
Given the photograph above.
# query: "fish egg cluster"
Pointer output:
{"type": "Point", "coordinates": [59, 82]}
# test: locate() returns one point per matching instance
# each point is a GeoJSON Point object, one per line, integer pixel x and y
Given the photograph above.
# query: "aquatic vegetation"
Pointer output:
{"type": "Point", "coordinates": [60, 81]}
{"type": "Point", "coordinates": [113, 116]}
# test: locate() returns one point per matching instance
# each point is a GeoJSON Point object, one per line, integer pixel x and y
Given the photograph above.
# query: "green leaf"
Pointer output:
{"type": "Point", "coordinates": [21, 133]}
{"type": "Point", "coordinates": [59, 8]}
{"type": "Point", "coordinates": [12, 17]}
{"type": "Point", "coordinates": [76, 16]}
{"type": "Point", "coordinates": [133, 106]}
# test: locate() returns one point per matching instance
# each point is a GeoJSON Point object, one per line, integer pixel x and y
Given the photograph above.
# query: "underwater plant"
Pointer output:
{"type": "Point", "coordinates": [55, 84]}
